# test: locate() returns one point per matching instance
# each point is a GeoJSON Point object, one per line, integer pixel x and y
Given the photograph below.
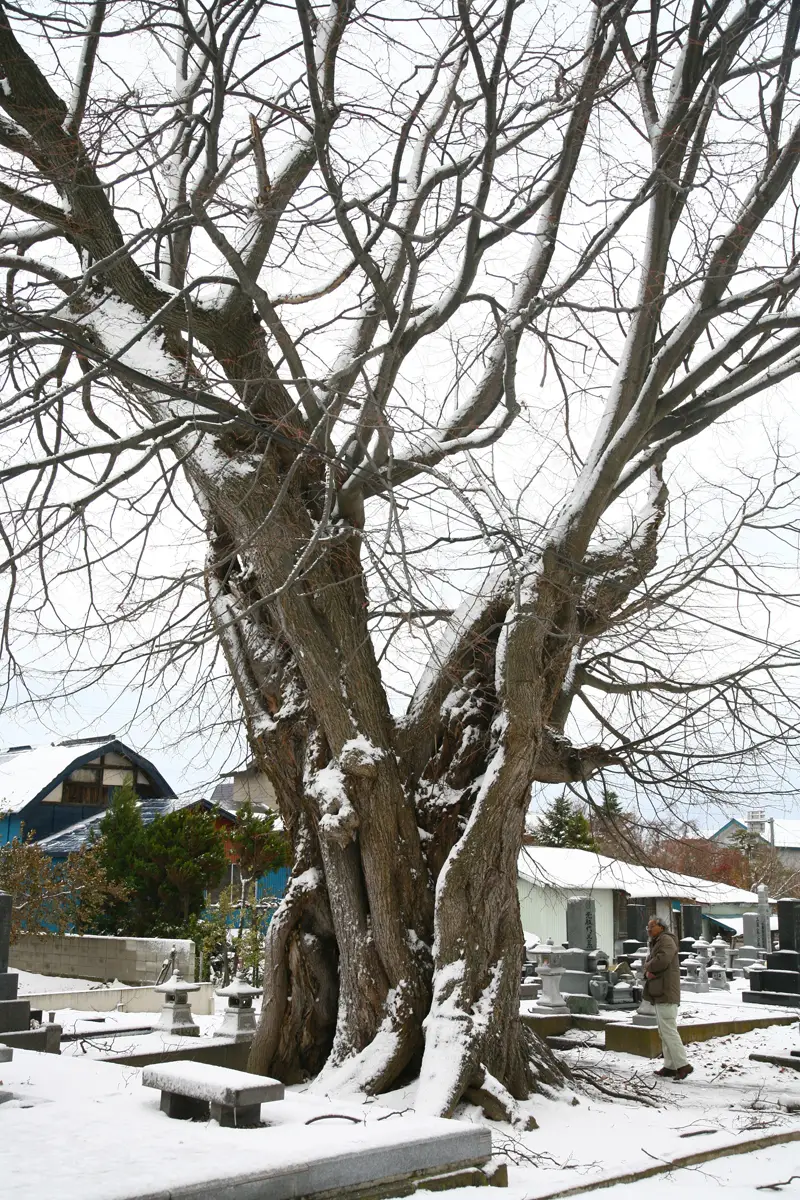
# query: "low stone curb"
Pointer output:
{"type": "Point", "coordinates": [676, 1164]}
{"type": "Point", "coordinates": [777, 1060]}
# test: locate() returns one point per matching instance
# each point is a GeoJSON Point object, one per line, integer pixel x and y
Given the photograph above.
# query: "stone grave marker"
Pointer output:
{"type": "Point", "coordinates": [581, 925]}
{"type": "Point", "coordinates": [764, 919]}
{"type": "Point", "coordinates": [8, 979]}
{"type": "Point", "coordinates": [692, 921]}
{"type": "Point", "coordinates": [637, 924]}
{"type": "Point", "coordinates": [5, 930]}
{"type": "Point", "coordinates": [750, 951]}
{"type": "Point", "coordinates": [789, 924]}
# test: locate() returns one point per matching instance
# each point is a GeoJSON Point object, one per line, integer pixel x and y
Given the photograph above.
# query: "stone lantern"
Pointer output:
{"type": "Point", "coordinates": [550, 975]}
{"type": "Point", "coordinates": [176, 1015]}
{"type": "Point", "coordinates": [239, 1021]}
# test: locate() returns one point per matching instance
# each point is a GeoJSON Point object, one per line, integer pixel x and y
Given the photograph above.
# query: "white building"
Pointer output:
{"type": "Point", "coordinates": [547, 876]}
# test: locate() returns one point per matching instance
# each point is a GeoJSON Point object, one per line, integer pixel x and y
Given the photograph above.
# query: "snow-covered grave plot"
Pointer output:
{"type": "Point", "coordinates": [93, 1132]}
{"type": "Point", "coordinates": [588, 1136]}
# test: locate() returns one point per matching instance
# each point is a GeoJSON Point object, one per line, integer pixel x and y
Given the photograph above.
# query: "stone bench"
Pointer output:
{"type": "Point", "coordinates": [195, 1091]}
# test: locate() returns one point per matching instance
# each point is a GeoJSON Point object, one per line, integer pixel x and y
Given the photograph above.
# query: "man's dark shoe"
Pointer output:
{"type": "Point", "coordinates": [682, 1072]}
{"type": "Point", "coordinates": [665, 1071]}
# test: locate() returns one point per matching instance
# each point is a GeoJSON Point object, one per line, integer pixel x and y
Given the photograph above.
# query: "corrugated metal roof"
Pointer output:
{"type": "Point", "coordinates": [68, 841]}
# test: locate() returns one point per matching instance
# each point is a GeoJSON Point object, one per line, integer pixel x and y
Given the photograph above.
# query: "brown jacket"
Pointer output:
{"type": "Point", "coordinates": [662, 962]}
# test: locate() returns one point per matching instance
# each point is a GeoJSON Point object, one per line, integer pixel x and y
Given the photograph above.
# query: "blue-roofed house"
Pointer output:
{"type": "Point", "coordinates": [45, 790]}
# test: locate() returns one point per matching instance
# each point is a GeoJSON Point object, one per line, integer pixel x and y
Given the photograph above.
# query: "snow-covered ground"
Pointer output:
{"type": "Point", "coordinates": [600, 1138]}
{"type": "Point", "coordinates": [587, 1135]}
{"type": "Point", "coordinates": [34, 985]}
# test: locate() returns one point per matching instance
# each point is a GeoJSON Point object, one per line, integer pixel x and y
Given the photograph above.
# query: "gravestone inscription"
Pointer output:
{"type": "Point", "coordinates": [581, 927]}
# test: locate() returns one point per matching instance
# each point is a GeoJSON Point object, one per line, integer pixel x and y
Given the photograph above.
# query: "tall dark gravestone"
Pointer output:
{"type": "Point", "coordinates": [5, 930]}
{"type": "Point", "coordinates": [692, 921]}
{"type": "Point", "coordinates": [637, 923]}
{"type": "Point", "coordinates": [789, 924]}
{"type": "Point", "coordinates": [8, 979]}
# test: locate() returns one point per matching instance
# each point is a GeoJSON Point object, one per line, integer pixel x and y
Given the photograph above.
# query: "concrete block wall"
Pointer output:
{"type": "Point", "coordinates": [88, 956]}
{"type": "Point", "coordinates": [131, 999]}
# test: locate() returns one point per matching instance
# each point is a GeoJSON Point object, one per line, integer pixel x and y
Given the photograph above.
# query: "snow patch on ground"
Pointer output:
{"type": "Point", "coordinates": [31, 984]}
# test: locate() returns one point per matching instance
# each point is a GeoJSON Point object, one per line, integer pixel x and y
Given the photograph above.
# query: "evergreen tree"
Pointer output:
{"type": "Point", "coordinates": [611, 805]}
{"type": "Point", "coordinates": [258, 848]}
{"type": "Point", "coordinates": [120, 849]}
{"type": "Point", "coordinates": [184, 854]}
{"type": "Point", "coordinates": [563, 824]}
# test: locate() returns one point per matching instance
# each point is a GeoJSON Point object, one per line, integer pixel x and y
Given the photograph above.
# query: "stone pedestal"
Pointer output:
{"type": "Point", "coordinates": [176, 1014]}
{"type": "Point", "coordinates": [576, 974]}
{"type": "Point", "coordinates": [621, 994]}
{"type": "Point", "coordinates": [9, 983]}
{"type": "Point", "coordinates": [645, 1014]}
{"type": "Point", "coordinates": [551, 998]}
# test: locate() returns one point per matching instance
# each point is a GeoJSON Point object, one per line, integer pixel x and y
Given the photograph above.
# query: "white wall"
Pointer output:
{"type": "Point", "coordinates": [544, 911]}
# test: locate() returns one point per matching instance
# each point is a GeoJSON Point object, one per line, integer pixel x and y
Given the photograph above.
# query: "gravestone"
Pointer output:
{"type": "Point", "coordinates": [692, 921]}
{"type": "Point", "coordinates": [764, 928]}
{"type": "Point", "coordinates": [581, 926]}
{"type": "Point", "coordinates": [637, 923]}
{"type": "Point", "coordinates": [575, 966]}
{"type": "Point", "coordinates": [789, 924]}
{"type": "Point", "coordinates": [750, 930]}
{"type": "Point", "coordinates": [5, 930]}
{"type": "Point", "coordinates": [8, 979]}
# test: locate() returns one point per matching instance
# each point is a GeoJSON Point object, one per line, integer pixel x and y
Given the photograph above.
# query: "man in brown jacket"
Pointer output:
{"type": "Point", "coordinates": [663, 989]}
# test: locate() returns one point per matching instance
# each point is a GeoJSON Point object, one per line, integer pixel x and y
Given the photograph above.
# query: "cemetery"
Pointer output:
{"type": "Point", "coordinates": [400, 453]}
{"type": "Point", "coordinates": [176, 1080]}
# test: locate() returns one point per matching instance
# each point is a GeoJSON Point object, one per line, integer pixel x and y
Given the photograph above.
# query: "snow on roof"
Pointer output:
{"type": "Point", "coordinates": [787, 834]}
{"type": "Point", "coordinates": [67, 841]}
{"type": "Point", "coordinates": [553, 866]}
{"type": "Point", "coordinates": [28, 773]}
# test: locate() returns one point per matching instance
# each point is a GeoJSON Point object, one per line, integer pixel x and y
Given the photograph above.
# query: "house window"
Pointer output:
{"type": "Point", "coordinates": [85, 786]}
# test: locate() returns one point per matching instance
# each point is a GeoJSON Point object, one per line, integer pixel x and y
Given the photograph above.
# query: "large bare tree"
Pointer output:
{"type": "Point", "coordinates": [312, 262]}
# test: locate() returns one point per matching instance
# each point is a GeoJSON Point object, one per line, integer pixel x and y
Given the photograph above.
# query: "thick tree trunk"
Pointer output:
{"type": "Point", "coordinates": [399, 943]}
